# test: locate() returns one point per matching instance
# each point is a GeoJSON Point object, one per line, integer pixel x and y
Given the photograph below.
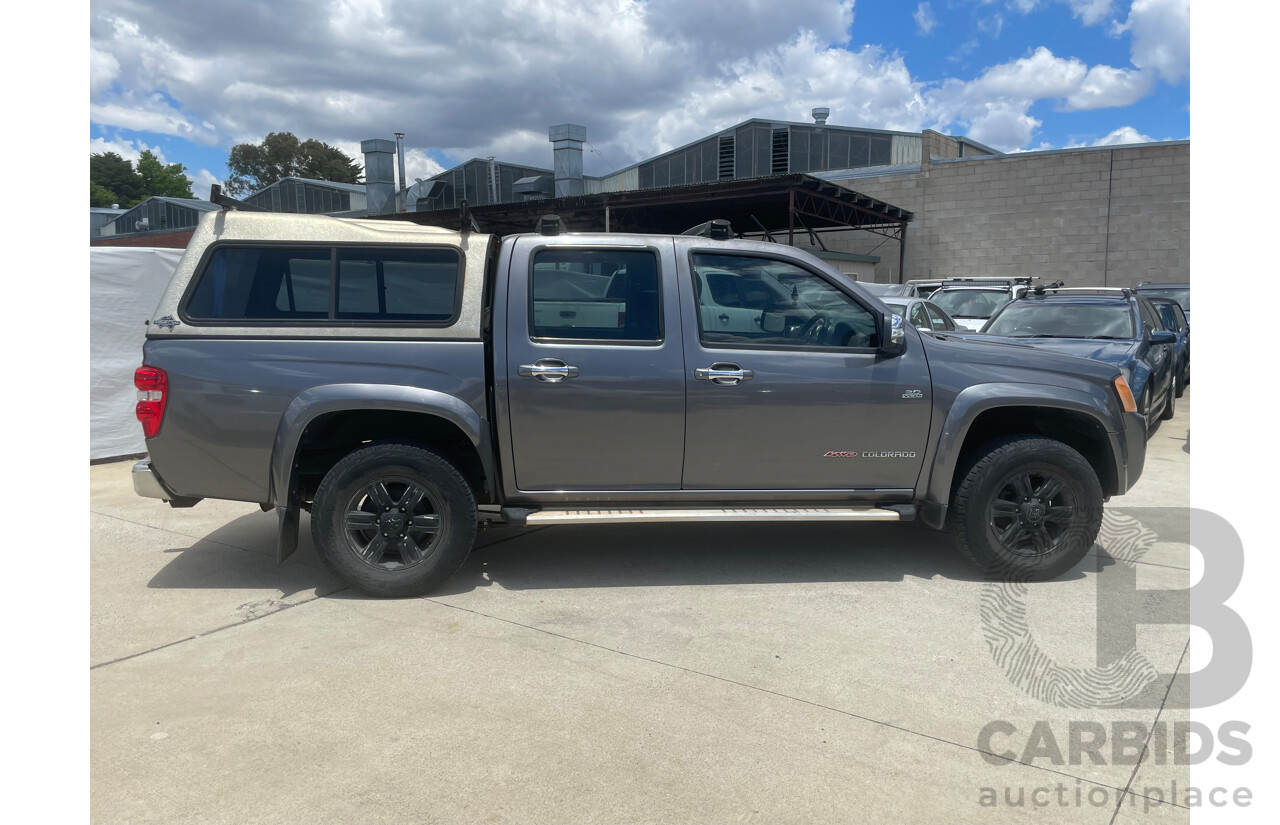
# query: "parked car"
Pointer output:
{"type": "Point", "coordinates": [1115, 326]}
{"type": "Point", "coordinates": [971, 306]}
{"type": "Point", "coordinates": [405, 384]}
{"type": "Point", "coordinates": [884, 290]}
{"type": "Point", "coordinates": [924, 287]}
{"type": "Point", "coordinates": [1178, 292]}
{"type": "Point", "coordinates": [921, 313]}
{"type": "Point", "coordinates": [1175, 321]}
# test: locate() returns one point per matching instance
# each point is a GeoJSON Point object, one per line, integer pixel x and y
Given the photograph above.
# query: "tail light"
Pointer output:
{"type": "Point", "coordinates": [153, 392]}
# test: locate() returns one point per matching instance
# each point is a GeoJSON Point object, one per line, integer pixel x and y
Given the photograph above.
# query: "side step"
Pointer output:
{"type": "Point", "coordinates": [545, 517]}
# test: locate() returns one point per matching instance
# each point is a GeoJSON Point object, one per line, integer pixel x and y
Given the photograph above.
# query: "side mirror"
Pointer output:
{"type": "Point", "coordinates": [1163, 336]}
{"type": "Point", "coordinates": [773, 321]}
{"type": "Point", "coordinates": [893, 334]}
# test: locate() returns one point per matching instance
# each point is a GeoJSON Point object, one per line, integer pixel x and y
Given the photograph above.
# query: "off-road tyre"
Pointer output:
{"type": "Point", "coordinates": [990, 498]}
{"type": "Point", "coordinates": [393, 520]}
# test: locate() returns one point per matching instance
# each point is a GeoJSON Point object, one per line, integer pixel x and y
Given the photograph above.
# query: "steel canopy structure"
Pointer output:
{"type": "Point", "coordinates": [776, 207]}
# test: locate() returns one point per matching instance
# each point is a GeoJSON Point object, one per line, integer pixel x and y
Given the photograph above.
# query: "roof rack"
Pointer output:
{"type": "Point", "coordinates": [978, 279]}
{"type": "Point", "coordinates": [1095, 290]}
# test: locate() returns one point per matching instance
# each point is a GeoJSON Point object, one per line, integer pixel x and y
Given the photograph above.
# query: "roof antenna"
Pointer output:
{"type": "Point", "coordinates": [767, 236]}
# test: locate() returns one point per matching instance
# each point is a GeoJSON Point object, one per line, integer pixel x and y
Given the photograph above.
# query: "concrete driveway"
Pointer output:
{"type": "Point", "coordinates": [660, 673]}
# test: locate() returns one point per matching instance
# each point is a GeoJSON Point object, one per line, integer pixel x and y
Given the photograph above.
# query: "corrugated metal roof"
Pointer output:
{"type": "Point", "coordinates": [328, 184]}
{"type": "Point", "coordinates": [868, 172]}
{"type": "Point", "coordinates": [189, 203]}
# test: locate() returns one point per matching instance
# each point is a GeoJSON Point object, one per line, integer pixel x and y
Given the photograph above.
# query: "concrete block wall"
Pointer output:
{"type": "Point", "coordinates": [1091, 217]}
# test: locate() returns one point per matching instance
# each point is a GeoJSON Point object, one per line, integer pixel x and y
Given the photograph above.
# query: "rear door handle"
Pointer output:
{"type": "Point", "coordinates": [724, 374]}
{"type": "Point", "coordinates": [548, 370]}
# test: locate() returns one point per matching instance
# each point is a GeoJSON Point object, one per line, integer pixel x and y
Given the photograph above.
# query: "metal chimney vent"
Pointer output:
{"type": "Point", "coordinates": [820, 115]}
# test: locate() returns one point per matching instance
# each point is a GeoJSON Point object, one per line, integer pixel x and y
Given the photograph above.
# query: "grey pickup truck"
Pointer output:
{"type": "Point", "coordinates": [408, 385]}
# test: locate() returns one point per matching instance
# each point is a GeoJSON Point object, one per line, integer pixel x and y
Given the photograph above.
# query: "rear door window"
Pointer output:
{"type": "Point", "coordinates": [939, 321]}
{"type": "Point", "coordinates": [600, 295]}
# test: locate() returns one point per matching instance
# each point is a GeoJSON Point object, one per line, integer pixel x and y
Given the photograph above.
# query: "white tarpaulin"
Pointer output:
{"type": "Point", "coordinates": [125, 284]}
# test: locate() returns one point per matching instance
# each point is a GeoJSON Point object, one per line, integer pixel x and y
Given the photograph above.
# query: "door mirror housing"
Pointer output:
{"type": "Point", "coordinates": [1163, 336]}
{"type": "Point", "coordinates": [893, 334]}
{"type": "Point", "coordinates": [773, 321]}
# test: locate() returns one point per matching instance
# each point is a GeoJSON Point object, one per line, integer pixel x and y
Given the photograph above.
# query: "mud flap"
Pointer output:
{"type": "Point", "coordinates": [287, 538]}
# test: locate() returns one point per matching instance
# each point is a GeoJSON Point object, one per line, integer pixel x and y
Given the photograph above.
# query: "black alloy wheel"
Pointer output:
{"type": "Point", "coordinates": [1031, 513]}
{"type": "Point", "coordinates": [393, 523]}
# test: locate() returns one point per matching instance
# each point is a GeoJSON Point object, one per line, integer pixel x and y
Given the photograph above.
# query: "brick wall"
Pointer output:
{"type": "Point", "coordinates": [178, 239]}
{"type": "Point", "coordinates": [1091, 217]}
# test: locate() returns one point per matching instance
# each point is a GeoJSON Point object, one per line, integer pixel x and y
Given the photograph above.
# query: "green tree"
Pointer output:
{"type": "Point", "coordinates": [115, 175]}
{"type": "Point", "coordinates": [158, 179]}
{"type": "Point", "coordinates": [101, 196]}
{"type": "Point", "coordinates": [281, 155]}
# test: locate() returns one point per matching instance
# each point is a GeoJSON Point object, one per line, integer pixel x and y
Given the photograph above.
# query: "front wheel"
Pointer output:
{"type": "Point", "coordinates": [393, 520]}
{"type": "Point", "coordinates": [1028, 509]}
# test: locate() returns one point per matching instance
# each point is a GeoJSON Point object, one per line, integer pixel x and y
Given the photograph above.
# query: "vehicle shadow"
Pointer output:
{"type": "Point", "coordinates": [241, 555]}
{"type": "Point", "coordinates": [666, 555]}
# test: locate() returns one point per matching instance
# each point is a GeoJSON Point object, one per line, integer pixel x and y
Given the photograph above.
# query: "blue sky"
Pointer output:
{"type": "Point", "coordinates": [643, 76]}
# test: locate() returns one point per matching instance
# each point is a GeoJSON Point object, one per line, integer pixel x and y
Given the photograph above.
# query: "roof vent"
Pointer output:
{"type": "Point", "coordinates": [820, 115]}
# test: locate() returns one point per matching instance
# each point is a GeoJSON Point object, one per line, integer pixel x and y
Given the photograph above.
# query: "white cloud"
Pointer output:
{"type": "Point", "coordinates": [1125, 134]}
{"type": "Point", "coordinates": [103, 70]}
{"type": "Point", "coordinates": [201, 182]}
{"type": "Point", "coordinates": [130, 150]}
{"type": "Point", "coordinates": [641, 75]}
{"type": "Point", "coordinates": [1091, 12]}
{"type": "Point", "coordinates": [1105, 86]}
{"type": "Point", "coordinates": [1161, 31]}
{"type": "Point", "coordinates": [149, 117]}
{"type": "Point", "coordinates": [995, 106]}
{"type": "Point", "coordinates": [925, 19]}
{"type": "Point", "coordinates": [418, 165]}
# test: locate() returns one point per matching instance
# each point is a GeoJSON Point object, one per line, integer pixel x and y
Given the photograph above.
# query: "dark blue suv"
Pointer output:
{"type": "Point", "coordinates": [1116, 326]}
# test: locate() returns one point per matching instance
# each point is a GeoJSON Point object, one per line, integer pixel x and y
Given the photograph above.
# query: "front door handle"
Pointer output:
{"type": "Point", "coordinates": [724, 374]}
{"type": "Point", "coordinates": [549, 370]}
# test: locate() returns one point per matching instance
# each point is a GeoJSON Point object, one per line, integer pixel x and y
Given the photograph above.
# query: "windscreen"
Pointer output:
{"type": "Point", "coordinates": [1052, 319]}
{"type": "Point", "coordinates": [970, 303]}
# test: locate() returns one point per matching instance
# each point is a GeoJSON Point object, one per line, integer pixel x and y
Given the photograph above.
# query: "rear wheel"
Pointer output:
{"type": "Point", "coordinates": [1028, 509]}
{"type": "Point", "coordinates": [393, 520]}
